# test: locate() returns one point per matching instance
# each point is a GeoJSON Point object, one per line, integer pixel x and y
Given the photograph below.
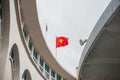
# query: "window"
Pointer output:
{"type": "Point", "coordinates": [41, 64]}
{"type": "Point", "coordinates": [0, 17]}
{"type": "Point", "coordinates": [35, 56]}
{"type": "Point", "coordinates": [25, 32]}
{"type": "Point", "coordinates": [47, 71]}
{"type": "Point", "coordinates": [0, 10]}
{"type": "Point", "coordinates": [58, 77]}
{"type": "Point", "coordinates": [52, 75]}
{"type": "Point", "coordinates": [24, 77]}
{"type": "Point", "coordinates": [12, 55]}
{"type": "Point", "coordinates": [30, 45]}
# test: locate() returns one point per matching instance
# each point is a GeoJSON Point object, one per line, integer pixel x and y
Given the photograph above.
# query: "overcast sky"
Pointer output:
{"type": "Point", "coordinates": [74, 19]}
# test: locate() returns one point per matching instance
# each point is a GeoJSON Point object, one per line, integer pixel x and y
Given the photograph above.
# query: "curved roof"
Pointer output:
{"type": "Point", "coordinates": [100, 58]}
{"type": "Point", "coordinates": [32, 23]}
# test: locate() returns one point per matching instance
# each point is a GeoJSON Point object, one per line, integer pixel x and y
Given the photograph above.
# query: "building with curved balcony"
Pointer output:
{"type": "Point", "coordinates": [100, 59]}
{"type": "Point", "coordinates": [24, 54]}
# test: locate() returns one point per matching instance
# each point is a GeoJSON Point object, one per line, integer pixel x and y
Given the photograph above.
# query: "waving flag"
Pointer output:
{"type": "Point", "coordinates": [61, 41]}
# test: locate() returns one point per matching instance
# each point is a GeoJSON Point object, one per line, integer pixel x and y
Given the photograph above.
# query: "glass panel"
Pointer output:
{"type": "Point", "coordinates": [12, 55]}
{"type": "Point", "coordinates": [24, 77]}
{"type": "Point", "coordinates": [30, 46]}
{"type": "Point", "coordinates": [47, 74]}
{"type": "Point", "coordinates": [58, 77]}
{"type": "Point", "coordinates": [46, 68]}
{"type": "Point", "coordinates": [47, 71]}
{"type": "Point", "coordinates": [0, 17]}
{"type": "Point", "coordinates": [52, 73]}
{"type": "Point", "coordinates": [52, 78]}
{"type": "Point", "coordinates": [35, 56]}
{"type": "Point", "coordinates": [24, 32]}
{"type": "Point", "coordinates": [41, 64]}
{"type": "Point", "coordinates": [0, 10]}
{"type": "Point", "coordinates": [41, 68]}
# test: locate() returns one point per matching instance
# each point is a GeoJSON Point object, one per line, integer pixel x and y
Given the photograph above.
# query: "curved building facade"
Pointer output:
{"type": "Point", "coordinates": [100, 58]}
{"type": "Point", "coordinates": [24, 54]}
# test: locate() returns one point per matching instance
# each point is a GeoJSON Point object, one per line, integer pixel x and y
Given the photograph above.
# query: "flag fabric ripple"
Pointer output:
{"type": "Point", "coordinates": [61, 41]}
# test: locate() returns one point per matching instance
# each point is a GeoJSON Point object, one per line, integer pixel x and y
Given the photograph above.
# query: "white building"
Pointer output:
{"type": "Point", "coordinates": [100, 58]}
{"type": "Point", "coordinates": [24, 54]}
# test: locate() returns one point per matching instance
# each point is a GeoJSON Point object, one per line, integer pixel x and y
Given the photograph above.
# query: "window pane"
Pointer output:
{"type": "Point", "coordinates": [30, 46]}
{"type": "Point", "coordinates": [41, 62]}
{"type": "Point", "coordinates": [41, 68]}
{"type": "Point", "coordinates": [58, 77]}
{"type": "Point", "coordinates": [52, 73]}
{"type": "Point", "coordinates": [24, 32]}
{"type": "Point", "coordinates": [35, 55]}
{"type": "Point", "coordinates": [46, 67]}
{"type": "Point", "coordinates": [24, 77]}
{"type": "Point", "coordinates": [12, 54]}
{"type": "Point", "coordinates": [0, 10]}
{"type": "Point", "coordinates": [47, 74]}
{"type": "Point", "coordinates": [47, 71]}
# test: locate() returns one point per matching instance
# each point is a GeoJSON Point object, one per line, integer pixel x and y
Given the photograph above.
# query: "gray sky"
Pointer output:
{"type": "Point", "coordinates": [74, 19]}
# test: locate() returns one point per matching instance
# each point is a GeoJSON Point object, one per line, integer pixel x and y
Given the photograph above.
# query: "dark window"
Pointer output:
{"type": "Point", "coordinates": [46, 67]}
{"type": "Point", "coordinates": [58, 77]}
{"type": "Point", "coordinates": [24, 32]}
{"type": "Point", "coordinates": [47, 71]}
{"type": "Point", "coordinates": [12, 55]}
{"type": "Point", "coordinates": [41, 64]}
{"type": "Point", "coordinates": [24, 77]}
{"type": "Point", "coordinates": [52, 73]}
{"type": "Point", "coordinates": [0, 10]}
{"type": "Point", "coordinates": [30, 45]}
{"type": "Point", "coordinates": [35, 56]}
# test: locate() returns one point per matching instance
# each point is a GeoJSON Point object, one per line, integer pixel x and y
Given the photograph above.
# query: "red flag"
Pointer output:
{"type": "Point", "coordinates": [61, 41]}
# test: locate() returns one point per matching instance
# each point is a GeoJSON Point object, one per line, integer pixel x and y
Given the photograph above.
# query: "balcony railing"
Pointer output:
{"type": "Point", "coordinates": [52, 78]}
{"type": "Point", "coordinates": [47, 75]}
{"type": "Point", "coordinates": [41, 68]}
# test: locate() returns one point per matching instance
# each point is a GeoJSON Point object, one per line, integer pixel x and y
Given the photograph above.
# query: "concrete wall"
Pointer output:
{"type": "Point", "coordinates": [96, 62]}
{"type": "Point", "coordinates": [14, 38]}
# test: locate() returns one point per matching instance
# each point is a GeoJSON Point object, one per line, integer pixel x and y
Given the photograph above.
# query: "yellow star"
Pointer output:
{"type": "Point", "coordinates": [61, 40]}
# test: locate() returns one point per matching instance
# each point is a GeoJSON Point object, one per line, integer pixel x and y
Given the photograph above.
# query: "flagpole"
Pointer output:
{"type": "Point", "coordinates": [46, 36]}
{"type": "Point", "coordinates": [46, 32]}
{"type": "Point", "coordinates": [55, 48]}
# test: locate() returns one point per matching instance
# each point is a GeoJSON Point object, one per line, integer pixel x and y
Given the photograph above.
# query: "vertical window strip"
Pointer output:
{"type": "Point", "coordinates": [35, 56]}
{"type": "Point", "coordinates": [25, 32]}
{"type": "Point", "coordinates": [12, 55]}
{"type": "Point", "coordinates": [30, 45]}
{"type": "Point", "coordinates": [0, 18]}
{"type": "Point", "coordinates": [24, 77]}
{"type": "Point", "coordinates": [0, 10]}
{"type": "Point", "coordinates": [52, 75]}
{"type": "Point", "coordinates": [47, 68]}
{"type": "Point", "coordinates": [41, 64]}
{"type": "Point", "coordinates": [58, 77]}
